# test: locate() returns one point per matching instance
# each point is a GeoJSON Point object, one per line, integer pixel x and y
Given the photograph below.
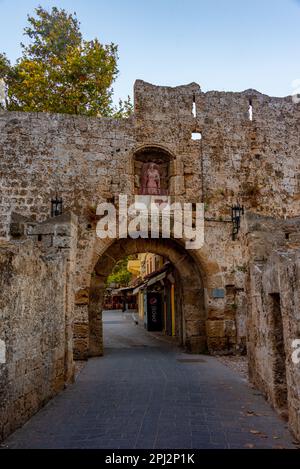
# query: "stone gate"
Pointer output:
{"type": "Point", "coordinates": [209, 148]}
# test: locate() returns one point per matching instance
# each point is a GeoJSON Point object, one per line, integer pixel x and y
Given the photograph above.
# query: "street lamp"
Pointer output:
{"type": "Point", "coordinates": [56, 207]}
{"type": "Point", "coordinates": [236, 212]}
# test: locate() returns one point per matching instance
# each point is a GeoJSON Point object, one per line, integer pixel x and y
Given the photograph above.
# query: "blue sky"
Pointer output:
{"type": "Point", "coordinates": [221, 44]}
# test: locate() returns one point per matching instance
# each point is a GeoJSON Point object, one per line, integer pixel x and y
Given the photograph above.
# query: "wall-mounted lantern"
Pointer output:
{"type": "Point", "coordinates": [236, 212]}
{"type": "Point", "coordinates": [56, 207]}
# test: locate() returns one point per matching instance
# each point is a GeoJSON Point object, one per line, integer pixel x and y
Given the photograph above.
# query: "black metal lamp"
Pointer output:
{"type": "Point", "coordinates": [236, 212]}
{"type": "Point", "coordinates": [56, 206]}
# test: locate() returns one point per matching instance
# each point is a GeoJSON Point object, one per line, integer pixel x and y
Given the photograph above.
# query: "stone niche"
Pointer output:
{"type": "Point", "coordinates": [152, 172]}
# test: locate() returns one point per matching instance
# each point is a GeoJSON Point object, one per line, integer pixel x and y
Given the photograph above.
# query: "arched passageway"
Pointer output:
{"type": "Point", "coordinates": [190, 294]}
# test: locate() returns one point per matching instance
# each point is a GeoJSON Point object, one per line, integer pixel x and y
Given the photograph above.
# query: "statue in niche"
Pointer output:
{"type": "Point", "coordinates": [150, 179]}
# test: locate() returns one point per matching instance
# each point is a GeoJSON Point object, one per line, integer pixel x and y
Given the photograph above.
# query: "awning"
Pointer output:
{"type": "Point", "coordinates": [137, 289]}
{"type": "Point", "coordinates": [156, 279]}
{"type": "Point", "coordinates": [122, 290]}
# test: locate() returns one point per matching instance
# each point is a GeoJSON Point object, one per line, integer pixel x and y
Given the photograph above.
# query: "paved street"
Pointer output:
{"type": "Point", "coordinates": [146, 393]}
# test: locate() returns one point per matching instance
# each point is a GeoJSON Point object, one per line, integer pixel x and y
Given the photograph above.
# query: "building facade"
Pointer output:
{"type": "Point", "coordinates": [155, 290]}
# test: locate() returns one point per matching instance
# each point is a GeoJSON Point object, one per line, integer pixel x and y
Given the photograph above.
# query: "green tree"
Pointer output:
{"type": "Point", "coordinates": [61, 72]}
{"type": "Point", "coordinates": [120, 274]}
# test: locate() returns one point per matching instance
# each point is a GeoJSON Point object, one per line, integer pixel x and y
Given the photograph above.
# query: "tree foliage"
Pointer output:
{"type": "Point", "coordinates": [61, 72]}
{"type": "Point", "coordinates": [120, 274]}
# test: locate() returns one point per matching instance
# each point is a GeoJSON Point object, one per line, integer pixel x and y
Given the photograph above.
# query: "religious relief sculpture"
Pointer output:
{"type": "Point", "coordinates": [150, 179]}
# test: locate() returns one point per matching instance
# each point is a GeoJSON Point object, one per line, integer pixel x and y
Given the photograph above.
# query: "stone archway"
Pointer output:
{"type": "Point", "coordinates": [191, 290]}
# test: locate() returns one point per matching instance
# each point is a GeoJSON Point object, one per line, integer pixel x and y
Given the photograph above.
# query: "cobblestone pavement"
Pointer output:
{"type": "Point", "coordinates": [146, 393]}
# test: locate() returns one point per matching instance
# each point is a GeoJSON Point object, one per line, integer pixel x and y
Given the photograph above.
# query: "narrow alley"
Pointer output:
{"type": "Point", "coordinates": [146, 393]}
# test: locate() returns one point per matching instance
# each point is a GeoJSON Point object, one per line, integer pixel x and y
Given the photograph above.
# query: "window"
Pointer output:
{"type": "Point", "coordinates": [196, 136]}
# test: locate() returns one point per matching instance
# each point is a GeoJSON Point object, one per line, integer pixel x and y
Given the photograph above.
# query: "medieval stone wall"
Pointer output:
{"type": "Point", "coordinates": [90, 160]}
{"type": "Point", "coordinates": [36, 317]}
{"type": "Point", "coordinates": [32, 327]}
{"type": "Point", "coordinates": [273, 291]}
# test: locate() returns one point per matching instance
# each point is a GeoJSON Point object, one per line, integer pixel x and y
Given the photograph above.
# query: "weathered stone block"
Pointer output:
{"type": "Point", "coordinates": [82, 297]}
{"type": "Point", "coordinates": [81, 330]}
{"type": "Point", "coordinates": [215, 328]}
{"type": "Point", "coordinates": [196, 345]}
{"type": "Point", "coordinates": [61, 242]}
{"type": "Point", "coordinates": [217, 345]}
{"type": "Point", "coordinates": [230, 328]}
